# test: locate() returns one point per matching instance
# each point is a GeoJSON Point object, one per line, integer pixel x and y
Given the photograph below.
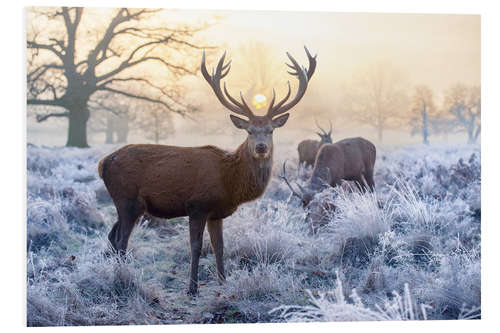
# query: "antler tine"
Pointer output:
{"type": "Point", "coordinates": [303, 76]}
{"type": "Point", "coordinates": [321, 129]}
{"type": "Point", "coordinates": [331, 127]}
{"type": "Point", "coordinates": [220, 64]}
{"type": "Point", "coordinates": [213, 80]}
{"type": "Point", "coordinates": [204, 69]}
{"type": "Point", "coordinates": [242, 100]}
{"type": "Point", "coordinates": [280, 103]}
{"type": "Point", "coordinates": [303, 190]}
{"type": "Point", "coordinates": [312, 63]}
{"type": "Point", "coordinates": [272, 99]}
{"type": "Point", "coordinates": [226, 68]}
{"type": "Point", "coordinates": [283, 176]}
{"type": "Point", "coordinates": [233, 100]}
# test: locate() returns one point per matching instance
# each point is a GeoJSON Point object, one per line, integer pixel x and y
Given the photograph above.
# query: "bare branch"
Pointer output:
{"type": "Point", "coordinates": [96, 105]}
{"type": "Point", "coordinates": [103, 44]}
{"type": "Point", "coordinates": [198, 47]}
{"type": "Point", "coordinates": [145, 98]}
{"type": "Point", "coordinates": [36, 101]}
{"type": "Point", "coordinates": [163, 91]}
{"type": "Point", "coordinates": [40, 70]}
{"type": "Point", "coordinates": [40, 118]}
{"type": "Point", "coordinates": [50, 47]}
{"type": "Point", "coordinates": [124, 65]}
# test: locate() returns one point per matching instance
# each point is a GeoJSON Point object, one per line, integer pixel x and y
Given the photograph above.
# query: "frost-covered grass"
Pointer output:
{"type": "Point", "coordinates": [411, 250]}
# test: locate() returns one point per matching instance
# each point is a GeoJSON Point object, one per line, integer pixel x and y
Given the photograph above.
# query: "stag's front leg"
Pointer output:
{"type": "Point", "coordinates": [217, 242]}
{"type": "Point", "coordinates": [196, 228]}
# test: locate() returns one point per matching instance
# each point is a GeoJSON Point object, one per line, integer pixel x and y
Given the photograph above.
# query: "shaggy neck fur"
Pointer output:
{"type": "Point", "coordinates": [247, 176]}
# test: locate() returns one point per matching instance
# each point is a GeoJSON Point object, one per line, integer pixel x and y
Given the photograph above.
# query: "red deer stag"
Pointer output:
{"type": "Point", "coordinates": [207, 184]}
{"type": "Point", "coordinates": [309, 148]}
{"type": "Point", "coordinates": [349, 159]}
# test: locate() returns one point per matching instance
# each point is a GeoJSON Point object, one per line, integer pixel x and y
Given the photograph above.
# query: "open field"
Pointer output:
{"type": "Point", "coordinates": [412, 250]}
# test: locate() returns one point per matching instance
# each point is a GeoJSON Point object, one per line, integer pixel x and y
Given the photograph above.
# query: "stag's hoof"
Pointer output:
{"type": "Point", "coordinates": [108, 253]}
{"type": "Point", "coordinates": [221, 279]}
{"type": "Point", "coordinates": [193, 292]}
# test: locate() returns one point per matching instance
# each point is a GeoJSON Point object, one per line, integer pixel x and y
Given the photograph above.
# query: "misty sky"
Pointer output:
{"type": "Point", "coordinates": [433, 49]}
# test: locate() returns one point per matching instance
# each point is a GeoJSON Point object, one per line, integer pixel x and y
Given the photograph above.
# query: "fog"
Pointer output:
{"type": "Point", "coordinates": [431, 49]}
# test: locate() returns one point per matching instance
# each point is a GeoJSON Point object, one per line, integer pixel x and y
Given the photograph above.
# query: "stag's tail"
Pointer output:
{"type": "Point", "coordinates": [100, 167]}
{"type": "Point", "coordinates": [104, 165]}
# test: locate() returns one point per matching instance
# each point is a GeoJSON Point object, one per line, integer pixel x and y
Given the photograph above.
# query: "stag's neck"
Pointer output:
{"type": "Point", "coordinates": [249, 176]}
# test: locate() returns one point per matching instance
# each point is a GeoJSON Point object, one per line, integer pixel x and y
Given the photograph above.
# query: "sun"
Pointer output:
{"type": "Point", "coordinates": [259, 101]}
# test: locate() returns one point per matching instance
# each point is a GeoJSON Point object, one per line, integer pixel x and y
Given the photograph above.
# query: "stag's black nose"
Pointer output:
{"type": "Point", "coordinates": [261, 148]}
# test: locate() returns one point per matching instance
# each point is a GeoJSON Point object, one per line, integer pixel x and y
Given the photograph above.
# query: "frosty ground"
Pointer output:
{"type": "Point", "coordinates": [412, 250]}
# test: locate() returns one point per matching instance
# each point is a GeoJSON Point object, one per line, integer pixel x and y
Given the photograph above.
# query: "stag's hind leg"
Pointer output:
{"type": "Point", "coordinates": [369, 180]}
{"type": "Point", "coordinates": [112, 236]}
{"type": "Point", "coordinates": [361, 183]}
{"type": "Point", "coordinates": [129, 212]}
{"type": "Point", "coordinates": [217, 242]}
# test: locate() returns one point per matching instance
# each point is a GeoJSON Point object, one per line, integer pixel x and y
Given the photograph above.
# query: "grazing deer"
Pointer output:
{"type": "Point", "coordinates": [207, 184]}
{"type": "Point", "coordinates": [349, 159]}
{"type": "Point", "coordinates": [309, 148]}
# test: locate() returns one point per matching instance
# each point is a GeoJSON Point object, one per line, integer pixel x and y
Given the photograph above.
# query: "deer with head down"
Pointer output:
{"type": "Point", "coordinates": [207, 184]}
{"type": "Point", "coordinates": [309, 148]}
{"type": "Point", "coordinates": [351, 159]}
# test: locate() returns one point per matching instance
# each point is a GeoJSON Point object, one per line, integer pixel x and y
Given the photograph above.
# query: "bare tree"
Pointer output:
{"type": "Point", "coordinates": [464, 103]}
{"type": "Point", "coordinates": [110, 115]}
{"type": "Point", "coordinates": [155, 123]}
{"type": "Point", "coordinates": [423, 112]}
{"type": "Point", "coordinates": [115, 126]}
{"type": "Point", "coordinates": [120, 56]}
{"type": "Point", "coordinates": [444, 124]}
{"type": "Point", "coordinates": [376, 98]}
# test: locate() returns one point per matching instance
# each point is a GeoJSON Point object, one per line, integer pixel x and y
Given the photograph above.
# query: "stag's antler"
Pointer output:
{"type": "Point", "coordinates": [214, 80]}
{"type": "Point", "coordinates": [322, 130]}
{"type": "Point", "coordinates": [283, 176]}
{"type": "Point", "coordinates": [303, 76]}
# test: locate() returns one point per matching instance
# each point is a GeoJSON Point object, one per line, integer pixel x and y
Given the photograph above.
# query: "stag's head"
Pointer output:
{"type": "Point", "coordinates": [319, 209]}
{"type": "Point", "coordinates": [326, 137]}
{"type": "Point", "coordinates": [259, 128]}
{"type": "Point", "coordinates": [306, 195]}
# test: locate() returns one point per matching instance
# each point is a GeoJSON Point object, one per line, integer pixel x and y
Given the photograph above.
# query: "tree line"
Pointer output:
{"type": "Point", "coordinates": [379, 97]}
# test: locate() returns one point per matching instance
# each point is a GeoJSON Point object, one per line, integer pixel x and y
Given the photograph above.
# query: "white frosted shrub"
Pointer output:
{"type": "Point", "coordinates": [334, 306]}
{"type": "Point", "coordinates": [358, 215]}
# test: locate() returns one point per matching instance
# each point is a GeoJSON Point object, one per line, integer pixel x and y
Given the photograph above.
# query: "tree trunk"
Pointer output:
{"type": "Point", "coordinates": [478, 132]}
{"type": "Point", "coordinates": [425, 127]}
{"type": "Point", "coordinates": [157, 128]}
{"type": "Point", "coordinates": [77, 129]}
{"type": "Point", "coordinates": [109, 129]}
{"type": "Point", "coordinates": [380, 132]}
{"type": "Point", "coordinates": [470, 129]}
{"type": "Point", "coordinates": [122, 129]}
{"type": "Point", "coordinates": [470, 134]}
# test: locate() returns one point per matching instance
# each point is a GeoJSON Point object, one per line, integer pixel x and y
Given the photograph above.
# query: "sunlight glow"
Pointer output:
{"type": "Point", "coordinates": [259, 101]}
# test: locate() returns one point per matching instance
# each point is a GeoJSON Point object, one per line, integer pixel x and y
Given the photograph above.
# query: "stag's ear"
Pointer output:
{"type": "Point", "coordinates": [280, 121]}
{"type": "Point", "coordinates": [319, 134]}
{"type": "Point", "coordinates": [238, 122]}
